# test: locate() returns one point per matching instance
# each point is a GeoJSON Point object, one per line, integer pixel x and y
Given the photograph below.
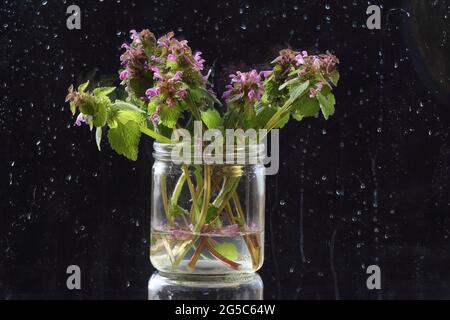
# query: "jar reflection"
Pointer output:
{"type": "Point", "coordinates": [163, 286]}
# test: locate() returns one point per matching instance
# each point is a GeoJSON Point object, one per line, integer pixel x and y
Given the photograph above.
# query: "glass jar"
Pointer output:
{"type": "Point", "coordinates": [207, 219]}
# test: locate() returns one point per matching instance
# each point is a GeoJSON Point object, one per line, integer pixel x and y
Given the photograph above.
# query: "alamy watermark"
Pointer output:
{"type": "Point", "coordinates": [74, 280]}
{"type": "Point", "coordinates": [374, 19]}
{"type": "Point", "coordinates": [374, 280]}
{"type": "Point", "coordinates": [236, 147]}
{"type": "Point", "coordinates": [74, 20]}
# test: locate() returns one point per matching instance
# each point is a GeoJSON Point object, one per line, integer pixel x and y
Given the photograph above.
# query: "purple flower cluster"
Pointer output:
{"type": "Point", "coordinates": [169, 88]}
{"type": "Point", "coordinates": [135, 59]}
{"type": "Point", "coordinates": [245, 85]}
{"type": "Point", "coordinates": [311, 65]}
{"type": "Point", "coordinates": [318, 67]}
{"type": "Point", "coordinates": [163, 69]}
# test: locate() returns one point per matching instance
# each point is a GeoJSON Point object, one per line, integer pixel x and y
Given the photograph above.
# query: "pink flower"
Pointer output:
{"type": "Point", "coordinates": [125, 74]}
{"type": "Point", "coordinates": [313, 91]}
{"type": "Point", "coordinates": [251, 94]}
{"type": "Point", "coordinates": [164, 41]}
{"type": "Point", "coordinates": [155, 117]}
{"type": "Point", "coordinates": [265, 73]}
{"type": "Point", "coordinates": [155, 59]}
{"type": "Point", "coordinates": [169, 101]}
{"type": "Point", "coordinates": [152, 92]}
{"type": "Point", "coordinates": [171, 57]}
{"type": "Point", "coordinates": [82, 118]}
{"type": "Point", "coordinates": [133, 34]}
{"type": "Point", "coordinates": [316, 63]}
{"type": "Point", "coordinates": [198, 61]}
{"type": "Point", "coordinates": [182, 94]}
{"type": "Point", "coordinates": [156, 73]}
{"type": "Point", "coordinates": [300, 58]}
{"type": "Point", "coordinates": [177, 76]}
{"type": "Point", "coordinates": [244, 84]}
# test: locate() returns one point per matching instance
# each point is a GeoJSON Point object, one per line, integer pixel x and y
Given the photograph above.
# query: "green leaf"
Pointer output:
{"type": "Point", "coordinates": [124, 116]}
{"type": "Point", "coordinates": [125, 139]}
{"type": "Point", "coordinates": [289, 83]}
{"type": "Point", "coordinates": [98, 137]}
{"type": "Point", "coordinates": [103, 91]}
{"type": "Point", "coordinates": [212, 119]}
{"type": "Point", "coordinates": [334, 77]}
{"type": "Point", "coordinates": [122, 105]}
{"type": "Point", "coordinates": [228, 250]}
{"type": "Point", "coordinates": [327, 102]}
{"type": "Point", "coordinates": [73, 108]}
{"type": "Point", "coordinates": [155, 135]}
{"type": "Point", "coordinates": [169, 116]}
{"type": "Point", "coordinates": [176, 210]}
{"type": "Point", "coordinates": [211, 214]}
{"type": "Point", "coordinates": [296, 90]}
{"type": "Point", "coordinates": [270, 90]}
{"type": "Point", "coordinates": [305, 107]}
{"type": "Point", "coordinates": [100, 114]}
{"type": "Point", "coordinates": [263, 115]}
{"type": "Point", "coordinates": [82, 87]}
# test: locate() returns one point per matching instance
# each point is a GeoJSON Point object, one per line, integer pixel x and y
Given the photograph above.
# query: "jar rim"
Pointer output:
{"type": "Point", "coordinates": [241, 154]}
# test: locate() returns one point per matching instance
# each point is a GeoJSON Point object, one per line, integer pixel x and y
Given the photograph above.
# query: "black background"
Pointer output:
{"type": "Point", "coordinates": [369, 186]}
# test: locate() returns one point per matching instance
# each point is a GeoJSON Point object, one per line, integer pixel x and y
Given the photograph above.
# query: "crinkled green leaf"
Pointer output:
{"type": "Point", "coordinates": [327, 102]}
{"type": "Point", "coordinates": [305, 107]}
{"type": "Point", "coordinates": [88, 106]}
{"type": "Point", "coordinates": [100, 114]}
{"type": "Point", "coordinates": [296, 89]}
{"type": "Point", "coordinates": [124, 139]}
{"type": "Point", "coordinates": [169, 116]}
{"type": "Point", "coordinates": [82, 87]}
{"type": "Point", "coordinates": [122, 105]}
{"type": "Point", "coordinates": [212, 118]}
{"type": "Point", "coordinates": [291, 82]}
{"type": "Point", "coordinates": [334, 77]}
{"type": "Point", "coordinates": [124, 116]}
{"type": "Point", "coordinates": [103, 91]}
{"type": "Point", "coordinates": [228, 250]}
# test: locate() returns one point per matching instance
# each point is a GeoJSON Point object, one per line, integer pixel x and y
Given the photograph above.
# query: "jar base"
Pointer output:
{"type": "Point", "coordinates": [172, 286]}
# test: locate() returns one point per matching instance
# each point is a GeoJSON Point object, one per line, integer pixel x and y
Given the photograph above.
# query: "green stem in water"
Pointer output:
{"type": "Point", "coordinates": [165, 201]}
{"type": "Point", "coordinates": [191, 187]}
{"type": "Point", "coordinates": [185, 247]}
{"type": "Point", "coordinates": [177, 190]}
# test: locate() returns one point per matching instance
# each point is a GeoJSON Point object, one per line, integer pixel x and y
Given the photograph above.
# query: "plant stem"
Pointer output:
{"type": "Point", "coordinates": [201, 220]}
{"type": "Point", "coordinates": [252, 241]}
{"type": "Point", "coordinates": [164, 200]}
{"type": "Point", "coordinates": [177, 190]}
{"type": "Point", "coordinates": [191, 187]}
{"type": "Point", "coordinates": [197, 253]}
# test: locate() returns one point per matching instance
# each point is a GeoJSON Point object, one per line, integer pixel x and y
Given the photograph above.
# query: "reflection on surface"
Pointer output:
{"type": "Point", "coordinates": [168, 287]}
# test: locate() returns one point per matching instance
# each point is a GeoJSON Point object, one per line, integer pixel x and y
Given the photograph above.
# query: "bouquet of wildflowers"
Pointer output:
{"type": "Point", "coordinates": [167, 88]}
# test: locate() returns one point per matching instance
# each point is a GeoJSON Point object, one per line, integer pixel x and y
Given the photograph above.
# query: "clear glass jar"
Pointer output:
{"type": "Point", "coordinates": [206, 219]}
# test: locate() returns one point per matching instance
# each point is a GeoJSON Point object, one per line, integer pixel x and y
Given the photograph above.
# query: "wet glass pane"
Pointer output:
{"type": "Point", "coordinates": [361, 195]}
